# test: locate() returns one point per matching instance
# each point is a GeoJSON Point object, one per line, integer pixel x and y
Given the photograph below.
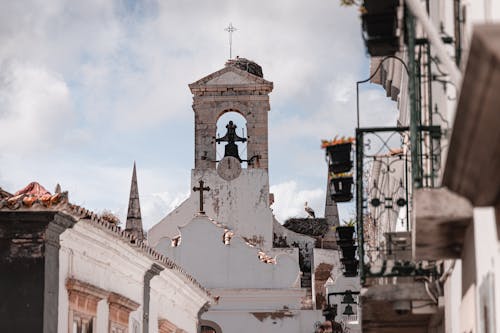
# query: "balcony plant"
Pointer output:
{"type": "Point", "coordinates": [341, 187]}
{"type": "Point", "coordinates": [380, 21]}
{"type": "Point", "coordinates": [338, 152]}
{"type": "Point", "coordinates": [348, 251]}
{"type": "Point", "coordinates": [350, 267]}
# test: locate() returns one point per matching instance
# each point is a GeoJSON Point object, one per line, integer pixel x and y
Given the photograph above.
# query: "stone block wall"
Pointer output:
{"type": "Point", "coordinates": [208, 109]}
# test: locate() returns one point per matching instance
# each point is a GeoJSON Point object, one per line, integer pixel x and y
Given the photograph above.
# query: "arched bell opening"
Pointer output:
{"type": "Point", "coordinates": [231, 136]}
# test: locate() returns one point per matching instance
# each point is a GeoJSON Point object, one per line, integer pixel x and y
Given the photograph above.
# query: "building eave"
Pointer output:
{"type": "Point", "coordinates": [474, 155]}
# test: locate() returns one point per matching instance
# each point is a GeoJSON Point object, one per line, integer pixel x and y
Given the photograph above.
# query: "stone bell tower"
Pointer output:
{"type": "Point", "coordinates": [232, 191]}
{"type": "Point", "coordinates": [238, 87]}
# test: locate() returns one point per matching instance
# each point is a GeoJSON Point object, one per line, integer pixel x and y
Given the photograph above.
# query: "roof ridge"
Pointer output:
{"type": "Point", "coordinates": [60, 202]}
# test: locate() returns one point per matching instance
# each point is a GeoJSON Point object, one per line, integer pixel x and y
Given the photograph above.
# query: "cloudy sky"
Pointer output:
{"type": "Point", "coordinates": [87, 87]}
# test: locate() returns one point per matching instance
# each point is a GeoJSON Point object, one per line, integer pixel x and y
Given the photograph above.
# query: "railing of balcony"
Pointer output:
{"type": "Point", "coordinates": [383, 193]}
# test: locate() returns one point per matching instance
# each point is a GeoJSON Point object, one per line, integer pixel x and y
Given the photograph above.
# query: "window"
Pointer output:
{"type": "Point", "coordinates": [83, 299]}
{"type": "Point", "coordinates": [117, 328]}
{"type": "Point", "coordinates": [82, 323]}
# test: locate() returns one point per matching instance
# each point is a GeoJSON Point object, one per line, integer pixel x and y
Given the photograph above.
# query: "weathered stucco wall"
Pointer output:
{"type": "Point", "coordinates": [289, 321]}
{"type": "Point", "coordinates": [91, 255]}
{"type": "Point", "coordinates": [203, 254]}
{"type": "Point", "coordinates": [241, 204]}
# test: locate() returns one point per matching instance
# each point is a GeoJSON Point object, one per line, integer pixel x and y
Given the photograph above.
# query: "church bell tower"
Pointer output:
{"type": "Point", "coordinates": [238, 87]}
{"type": "Point", "coordinates": [232, 190]}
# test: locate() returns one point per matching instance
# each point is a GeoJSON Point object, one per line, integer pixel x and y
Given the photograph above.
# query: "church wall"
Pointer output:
{"type": "Point", "coordinates": [202, 253]}
{"type": "Point", "coordinates": [289, 321]}
{"type": "Point", "coordinates": [249, 192]}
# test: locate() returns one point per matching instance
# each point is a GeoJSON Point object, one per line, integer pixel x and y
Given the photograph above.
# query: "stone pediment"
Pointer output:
{"type": "Point", "coordinates": [231, 76]}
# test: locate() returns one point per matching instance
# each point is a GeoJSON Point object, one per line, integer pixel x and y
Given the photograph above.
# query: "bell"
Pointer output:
{"type": "Point", "coordinates": [348, 310]}
{"type": "Point", "coordinates": [348, 299]}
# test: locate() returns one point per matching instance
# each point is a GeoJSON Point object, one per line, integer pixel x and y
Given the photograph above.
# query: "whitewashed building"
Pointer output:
{"type": "Point", "coordinates": [225, 234]}
{"type": "Point", "coordinates": [64, 269]}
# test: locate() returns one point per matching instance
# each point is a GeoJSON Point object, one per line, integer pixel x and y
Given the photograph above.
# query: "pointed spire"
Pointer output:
{"type": "Point", "coordinates": [134, 220]}
{"type": "Point", "coordinates": [331, 210]}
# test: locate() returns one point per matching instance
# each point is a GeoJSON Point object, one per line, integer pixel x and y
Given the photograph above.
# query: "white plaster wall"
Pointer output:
{"type": "Point", "coordinates": [241, 204]}
{"type": "Point", "coordinates": [203, 254]}
{"type": "Point", "coordinates": [263, 299]}
{"type": "Point", "coordinates": [301, 321]}
{"type": "Point", "coordinates": [487, 257]}
{"type": "Point", "coordinates": [338, 283]}
{"type": "Point", "coordinates": [452, 298]}
{"type": "Point", "coordinates": [95, 256]}
{"type": "Point", "coordinates": [170, 299]}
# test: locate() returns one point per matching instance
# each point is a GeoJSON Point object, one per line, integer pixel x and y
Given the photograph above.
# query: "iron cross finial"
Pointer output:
{"type": "Point", "coordinates": [230, 29]}
{"type": "Point", "coordinates": [201, 189]}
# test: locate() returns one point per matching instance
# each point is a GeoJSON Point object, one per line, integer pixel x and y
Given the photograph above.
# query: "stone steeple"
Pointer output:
{"type": "Point", "coordinates": [331, 210]}
{"type": "Point", "coordinates": [134, 220]}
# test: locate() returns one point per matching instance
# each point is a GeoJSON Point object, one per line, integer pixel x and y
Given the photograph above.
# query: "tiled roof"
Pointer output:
{"type": "Point", "coordinates": [36, 198]}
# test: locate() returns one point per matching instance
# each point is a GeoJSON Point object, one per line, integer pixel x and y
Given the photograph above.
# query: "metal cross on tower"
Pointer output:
{"type": "Point", "coordinates": [201, 189]}
{"type": "Point", "coordinates": [230, 29]}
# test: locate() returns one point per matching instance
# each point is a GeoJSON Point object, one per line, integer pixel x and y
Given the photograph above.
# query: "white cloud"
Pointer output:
{"type": "Point", "coordinates": [155, 206]}
{"type": "Point", "coordinates": [101, 83]}
{"type": "Point", "coordinates": [289, 200]}
{"type": "Point", "coordinates": [35, 107]}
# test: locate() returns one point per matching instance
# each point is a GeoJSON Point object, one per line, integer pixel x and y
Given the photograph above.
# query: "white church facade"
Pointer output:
{"type": "Point", "coordinates": [225, 233]}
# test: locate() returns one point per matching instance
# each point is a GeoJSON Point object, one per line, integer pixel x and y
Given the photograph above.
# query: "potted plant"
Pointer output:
{"type": "Point", "coordinates": [348, 251]}
{"type": "Point", "coordinates": [338, 152]}
{"type": "Point", "coordinates": [380, 21]}
{"type": "Point", "coordinates": [341, 187]}
{"type": "Point", "coordinates": [350, 267]}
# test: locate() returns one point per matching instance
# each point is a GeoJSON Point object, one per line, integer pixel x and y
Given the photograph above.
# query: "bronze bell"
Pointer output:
{"type": "Point", "coordinates": [348, 299]}
{"type": "Point", "coordinates": [348, 310]}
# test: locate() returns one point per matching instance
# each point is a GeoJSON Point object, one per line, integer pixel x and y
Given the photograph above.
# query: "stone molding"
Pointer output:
{"type": "Point", "coordinates": [166, 326]}
{"type": "Point", "coordinates": [120, 308]}
{"type": "Point", "coordinates": [83, 297]}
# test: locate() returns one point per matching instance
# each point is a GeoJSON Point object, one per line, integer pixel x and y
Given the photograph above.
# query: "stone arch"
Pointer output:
{"type": "Point", "coordinates": [211, 102]}
{"type": "Point", "coordinates": [240, 121]}
{"type": "Point", "coordinates": [208, 326]}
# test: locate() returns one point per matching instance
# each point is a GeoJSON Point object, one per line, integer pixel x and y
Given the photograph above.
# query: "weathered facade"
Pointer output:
{"type": "Point", "coordinates": [64, 269]}
{"type": "Point", "coordinates": [232, 243]}
{"type": "Point", "coordinates": [440, 267]}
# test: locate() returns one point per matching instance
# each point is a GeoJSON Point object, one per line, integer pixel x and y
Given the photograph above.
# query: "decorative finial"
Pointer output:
{"type": "Point", "coordinates": [230, 29]}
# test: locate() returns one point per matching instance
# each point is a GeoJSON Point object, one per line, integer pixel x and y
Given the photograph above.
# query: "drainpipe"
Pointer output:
{"type": "Point", "coordinates": [146, 296]}
{"type": "Point", "coordinates": [420, 13]}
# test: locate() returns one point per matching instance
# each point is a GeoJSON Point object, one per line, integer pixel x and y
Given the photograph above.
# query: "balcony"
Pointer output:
{"type": "Point", "coordinates": [400, 293]}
